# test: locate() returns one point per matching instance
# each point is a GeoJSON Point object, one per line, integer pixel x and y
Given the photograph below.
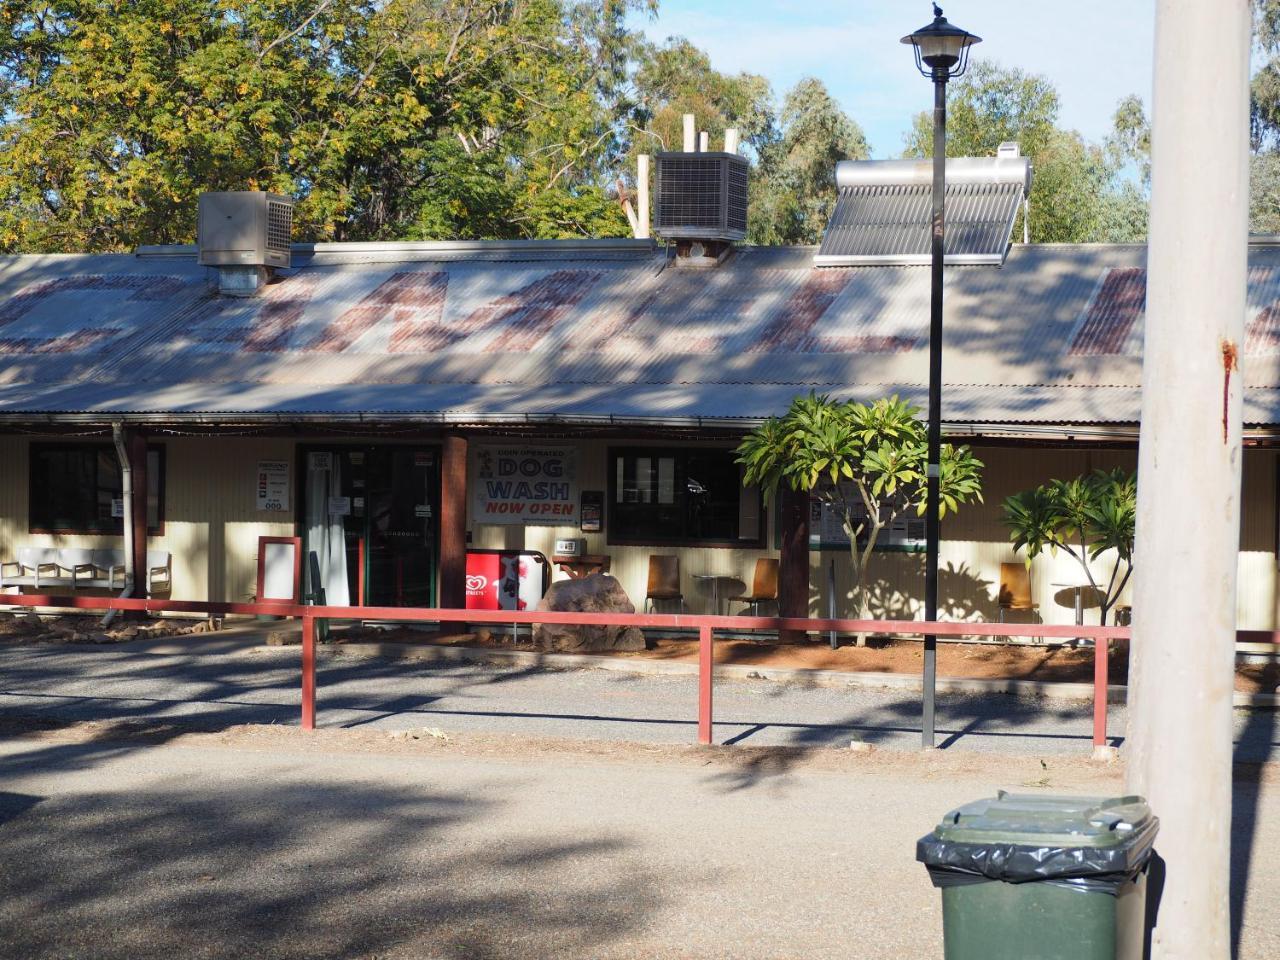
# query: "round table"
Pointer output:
{"type": "Point", "coordinates": [715, 579]}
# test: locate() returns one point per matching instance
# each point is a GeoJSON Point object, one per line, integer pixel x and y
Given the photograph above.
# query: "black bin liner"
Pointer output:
{"type": "Point", "coordinates": [1086, 869]}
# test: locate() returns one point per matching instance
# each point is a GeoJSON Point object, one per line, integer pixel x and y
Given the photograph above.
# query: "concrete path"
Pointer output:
{"type": "Point", "coordinates": [261, 686]}
{"type": "Point", "coordinates": [270, 843]}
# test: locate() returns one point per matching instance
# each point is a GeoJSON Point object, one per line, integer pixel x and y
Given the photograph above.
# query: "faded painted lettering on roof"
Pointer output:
{"type": "Point", "coordinates": [1108, 320]}
{"type": "Point", "coordinates": [415, 303]}
{"type": "Point", "coordinates": [52, 328]}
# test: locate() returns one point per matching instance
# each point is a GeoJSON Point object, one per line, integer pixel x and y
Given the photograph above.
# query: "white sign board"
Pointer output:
{"type": "Point", "coordinates": [278, 567]}
{"type": "Point", "coordinates": [339, 506]}
{"type": "Point", "coordinates": [273, 486]}
{"type": "Point", "coordinates": [526, 484]}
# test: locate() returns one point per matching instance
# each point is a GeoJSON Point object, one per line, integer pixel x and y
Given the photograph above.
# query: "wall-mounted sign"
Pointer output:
{"type": "Point", "coordinates": [339, 506]}
{"type": "Point", "coordinates": [117, 507]}
{"type": "Point", "coordinates": [273, 486]}
{"type": "Point", "coordinates": [525, 484]}
{"type": "Point", "coordinates": [592, 518]}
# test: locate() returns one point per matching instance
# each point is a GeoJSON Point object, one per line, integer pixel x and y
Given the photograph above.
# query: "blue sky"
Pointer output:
{"type": "Point", "coordinates": [1094, 51]}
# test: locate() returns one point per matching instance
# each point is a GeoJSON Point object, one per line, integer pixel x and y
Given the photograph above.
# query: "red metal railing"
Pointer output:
{"type": "Point", "coordinates": [705, 625]}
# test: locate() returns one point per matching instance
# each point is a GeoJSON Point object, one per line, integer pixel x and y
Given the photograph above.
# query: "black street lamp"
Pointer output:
{"type": "Point", "coordinates": [942, 52]}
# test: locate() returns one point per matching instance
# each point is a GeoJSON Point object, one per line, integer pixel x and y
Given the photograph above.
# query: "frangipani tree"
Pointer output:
{"type": "Point", "coordinates": [867, 462]}
{"type": "Point", "coordinates": [1086, 517]}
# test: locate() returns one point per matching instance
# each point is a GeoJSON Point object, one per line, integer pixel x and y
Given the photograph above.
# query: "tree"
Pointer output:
{"type": "Point", "coordinates": [794, 189]}
{"type": "Point", "coordinates": [383, 118]}
{"type": "Point", "coordinates": [867, 462]}
{"type": "Point", "coordinates": [1086, 517]}
{"type": "Point", "coordinates": [793, 149]}
{"type": "Point", "coordinates": [1078, 192]}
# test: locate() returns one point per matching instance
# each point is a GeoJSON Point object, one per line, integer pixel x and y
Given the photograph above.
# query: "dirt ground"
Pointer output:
{"type": "Point", "coordinates": [1048, 663]}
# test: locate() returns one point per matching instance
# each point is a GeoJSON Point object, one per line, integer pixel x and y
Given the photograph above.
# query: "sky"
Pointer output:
{"type": "Point", "coordinates": [1093, 51]}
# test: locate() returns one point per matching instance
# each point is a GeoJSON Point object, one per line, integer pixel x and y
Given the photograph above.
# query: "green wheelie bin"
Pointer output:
{"type": "Point", "coordinates": [1037, 877]}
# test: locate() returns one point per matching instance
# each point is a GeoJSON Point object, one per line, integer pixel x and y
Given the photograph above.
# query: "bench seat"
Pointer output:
{"type": "Point", "coordinates": [80, 569]}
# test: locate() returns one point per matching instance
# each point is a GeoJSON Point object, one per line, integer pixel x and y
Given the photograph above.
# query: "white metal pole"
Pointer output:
{"type": "Point", "coordinates": [642, 195]}
{"type": "Point", "coordinates": [690, 133]}
{"type": "Point", "coordinates": [1189, 465]}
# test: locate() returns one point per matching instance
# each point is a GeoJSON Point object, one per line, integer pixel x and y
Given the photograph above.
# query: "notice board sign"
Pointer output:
{"type": "Point", "coordinates": [592, 516]}
{"type": "Point", "coordinates": [526, 484]}
{"type": "Point", "coordinates": [273, 486]}
{"type": "Point", "coordinates": [279, 569]}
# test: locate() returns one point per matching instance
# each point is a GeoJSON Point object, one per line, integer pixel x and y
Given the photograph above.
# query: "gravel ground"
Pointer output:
{"type": "Point", "coordinates": [261, 686]}
{"type": "Point", "coordinates": [270, 843]}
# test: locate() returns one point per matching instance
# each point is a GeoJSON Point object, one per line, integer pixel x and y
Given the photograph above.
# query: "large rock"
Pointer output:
{"type": "Point", "coordinates": [597, 593]}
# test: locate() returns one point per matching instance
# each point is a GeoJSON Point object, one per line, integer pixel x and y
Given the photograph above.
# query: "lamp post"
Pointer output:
{"type": "Point", "coordinates": [942, 52]}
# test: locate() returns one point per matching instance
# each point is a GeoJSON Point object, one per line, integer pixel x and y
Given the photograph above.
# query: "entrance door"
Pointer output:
{"type": "Point", "coordinates": [371, 521]}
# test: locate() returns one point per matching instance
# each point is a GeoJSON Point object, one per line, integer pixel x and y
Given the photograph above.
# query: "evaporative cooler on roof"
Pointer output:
{"type": "Point", "coordinates": [884, 211]}
{"type": "Point", "coordinates": [701, 196]}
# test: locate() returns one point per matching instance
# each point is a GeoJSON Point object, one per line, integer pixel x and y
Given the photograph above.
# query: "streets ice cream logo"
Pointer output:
{"type": "Point", "coordinates": [476, 584]}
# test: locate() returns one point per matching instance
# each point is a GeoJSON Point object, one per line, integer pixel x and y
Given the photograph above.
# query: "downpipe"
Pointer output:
{"type": "Point", "coordinates": [126, 491]}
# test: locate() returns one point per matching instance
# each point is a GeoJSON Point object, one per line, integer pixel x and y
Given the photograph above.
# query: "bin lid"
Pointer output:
{"type": "Point", "coordinates": [1045, 820]}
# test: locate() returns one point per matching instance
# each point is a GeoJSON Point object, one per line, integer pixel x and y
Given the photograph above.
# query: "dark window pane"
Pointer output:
{"type": "Point", "coordinates": [74, 486]}
{"type": "Point", "coordinates": [674, 496]}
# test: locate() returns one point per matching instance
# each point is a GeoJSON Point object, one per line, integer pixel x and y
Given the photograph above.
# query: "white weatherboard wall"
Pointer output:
{"type": "Point", "coordinates": [211, 524]}
{"type": "Point", "coordinates": [212, 528]}
{"type": "Point", "coordinates": [975, 543]}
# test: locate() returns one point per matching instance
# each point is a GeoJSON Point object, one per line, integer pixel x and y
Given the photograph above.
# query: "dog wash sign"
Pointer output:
{"type": "Point", "coordinates": [525, 484]}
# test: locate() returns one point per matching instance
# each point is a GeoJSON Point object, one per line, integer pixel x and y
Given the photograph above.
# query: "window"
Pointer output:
{"type": "Point", "coordinates": [675, 496]}
{"type": "Point", "coordinates": [73, 486]}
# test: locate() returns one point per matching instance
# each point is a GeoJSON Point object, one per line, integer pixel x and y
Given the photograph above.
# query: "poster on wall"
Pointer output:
{"type": "Point", "coordinates": [826, 527]}
{"type": "Point", "coordinates": [592, 518]}
{"type": "Point", "coordinates": [526, 484]}
{"type": "Point", "coordinates": [273, 486]}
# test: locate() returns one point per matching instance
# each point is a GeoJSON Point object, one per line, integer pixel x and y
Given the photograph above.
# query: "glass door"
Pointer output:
{"type": "Point", "coordinates": [370, 524]}
{"type": "Point", "coordinates": [401, 493]}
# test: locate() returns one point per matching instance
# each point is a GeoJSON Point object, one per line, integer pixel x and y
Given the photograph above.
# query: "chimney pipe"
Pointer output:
{"type": "Point", "coordinates": [642, 195]}
{"type": "Point", "coordinates": [703, 142]}
{"type": "Point", "coordinates": [731, 140]}
{"type": "Point", "coordinates": [690, 137]}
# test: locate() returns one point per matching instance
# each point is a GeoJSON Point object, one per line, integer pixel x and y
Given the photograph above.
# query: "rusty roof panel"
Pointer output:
{"type": "Point", "coordinates": [1053, 335]}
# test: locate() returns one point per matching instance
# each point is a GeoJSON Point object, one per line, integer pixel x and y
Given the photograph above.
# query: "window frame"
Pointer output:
{"type": "Point", "coordinates": [93, 530]}
{"type": "Point", "coordinates": [614, 539]}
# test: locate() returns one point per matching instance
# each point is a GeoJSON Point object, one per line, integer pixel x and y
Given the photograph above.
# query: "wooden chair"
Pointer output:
{"type": "Point", "coordinates": [764, 585]}
{"type": "Point", "coordinates": [664, 582]}
{"type": "Point", "coordinates": [1015, 590]}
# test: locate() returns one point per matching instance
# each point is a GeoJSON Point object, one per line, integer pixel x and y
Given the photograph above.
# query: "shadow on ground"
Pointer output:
{"type": "Point", "coordinates": [299, 869]}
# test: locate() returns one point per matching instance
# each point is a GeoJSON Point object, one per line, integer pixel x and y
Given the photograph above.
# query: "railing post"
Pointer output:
{"type": "Point", "coordinates": [308, 672]}
{"type": "Point", "coordinates": [1101, 649]}
{"type": "Point", "coordinates": [706, 668]}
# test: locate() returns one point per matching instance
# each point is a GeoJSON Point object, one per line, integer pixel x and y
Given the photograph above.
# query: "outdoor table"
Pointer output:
{"type": "Point", "coordinates": [584, 566]}
{"type": "Point", "coordinates": [715, 579]}
{"type": "Point", "coordinates": [1079, 590]}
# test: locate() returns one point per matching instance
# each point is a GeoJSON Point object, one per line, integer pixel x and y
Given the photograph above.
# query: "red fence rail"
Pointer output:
{"type": "Point", "coordinates": [705, 625]}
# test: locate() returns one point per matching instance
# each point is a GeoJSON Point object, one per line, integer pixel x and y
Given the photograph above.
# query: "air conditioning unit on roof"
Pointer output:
{"type": "Point", "coordinates": [245, 228]}
{"type": "Point", "coordinates": [701, 196]}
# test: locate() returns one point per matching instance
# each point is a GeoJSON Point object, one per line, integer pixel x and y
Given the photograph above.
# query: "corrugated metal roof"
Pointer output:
{"type": "Point", "coordinates": [884, 211]}
{"type": "Point", "coordinates": [1052, 336]}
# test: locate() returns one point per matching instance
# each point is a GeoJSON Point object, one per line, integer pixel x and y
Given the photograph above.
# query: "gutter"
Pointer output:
{"type": "Point", "coordinates": [126, 474]}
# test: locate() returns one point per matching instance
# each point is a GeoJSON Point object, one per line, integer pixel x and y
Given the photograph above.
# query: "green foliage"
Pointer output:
{"type": "Point", "coordinates": [794, 148]}
{"type": "Point", "coordinates": [1088, 516]}
{"type": "Point", "coordinates": [794, 188]}
{"type": "Point", "coordinates": [867, 461]}
{"type": "Point", "coordinates": [384, 118]}
{"type": "Point", "coordinates": [1079, 193]}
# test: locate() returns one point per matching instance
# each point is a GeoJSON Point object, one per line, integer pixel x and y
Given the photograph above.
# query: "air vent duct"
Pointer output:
{"type": "Point", "coordinates": [701, 196]}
